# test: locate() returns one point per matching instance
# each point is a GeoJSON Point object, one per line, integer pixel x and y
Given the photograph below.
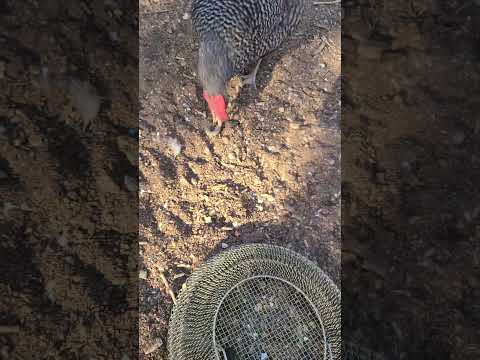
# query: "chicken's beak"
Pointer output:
{"type": "Point", "coordinates": [218, 127]}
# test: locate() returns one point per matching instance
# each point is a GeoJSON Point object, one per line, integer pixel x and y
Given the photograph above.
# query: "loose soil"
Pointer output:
{"type": "Point", "coordinates": [272, 176]}
{"type": "Point", "coordinates": [68, 208]}
{"type": "Point", "coordinates": [410, 175]}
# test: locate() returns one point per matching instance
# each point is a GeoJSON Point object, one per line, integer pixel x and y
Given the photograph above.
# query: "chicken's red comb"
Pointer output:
{"type": "Point", "coordinates": [217, 105]}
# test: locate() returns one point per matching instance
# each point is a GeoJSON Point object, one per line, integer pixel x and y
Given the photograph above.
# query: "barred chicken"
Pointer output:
{"type": "Point", "coordinates": [235, 35]}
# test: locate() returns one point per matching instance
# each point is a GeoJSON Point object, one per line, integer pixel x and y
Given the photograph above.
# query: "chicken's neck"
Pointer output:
{"type": "Point", "coordinates": [215, 65]}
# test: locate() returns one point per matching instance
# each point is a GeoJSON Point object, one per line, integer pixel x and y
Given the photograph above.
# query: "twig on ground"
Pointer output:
{"type": "Point", "coordinates": [164, 11]}
{"type": "Point", "coordinates": [168, 288]}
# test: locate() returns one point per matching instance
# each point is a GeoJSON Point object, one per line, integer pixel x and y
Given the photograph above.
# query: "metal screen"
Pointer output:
{"type": "Point", "coordinates": [265, 317]}
{"type": "Point", "coordinates": [256, 302]}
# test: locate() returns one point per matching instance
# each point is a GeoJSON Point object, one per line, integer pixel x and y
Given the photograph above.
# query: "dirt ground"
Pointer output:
{"type": "Point", "coordinates": [68, 217]}
{"type": "Point", "coordinates": [410, 175]}
{"type": "Point", "coordinates": [272, 176]}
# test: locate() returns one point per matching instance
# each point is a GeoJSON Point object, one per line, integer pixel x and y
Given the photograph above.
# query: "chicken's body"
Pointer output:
{"type": "Point", "coordinates": [234, 35]}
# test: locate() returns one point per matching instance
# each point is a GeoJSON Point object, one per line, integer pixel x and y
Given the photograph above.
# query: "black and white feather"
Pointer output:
{"type": "Point", "coordinates": [234, 34]}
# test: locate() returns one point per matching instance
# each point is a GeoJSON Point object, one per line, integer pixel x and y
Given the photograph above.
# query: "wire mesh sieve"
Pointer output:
{"type": "Point", "coordinates": [256, 302]}
{"type": "Point", "coordinates": [269, 317]}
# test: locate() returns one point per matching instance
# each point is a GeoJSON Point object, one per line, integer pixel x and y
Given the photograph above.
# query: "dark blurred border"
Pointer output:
{"type": "Point", "coordinates": [68, 179]}
{"type": "Point", "coordinates": [410, 179]}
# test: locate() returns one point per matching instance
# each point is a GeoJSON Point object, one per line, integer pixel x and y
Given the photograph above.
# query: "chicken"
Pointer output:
{"type": "Point", "coordinates": [234, 35]}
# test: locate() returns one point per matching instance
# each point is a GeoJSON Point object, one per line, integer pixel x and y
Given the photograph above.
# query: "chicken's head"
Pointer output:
{"type": "Point", "coordinates": [217, 106]}
{"type": "Point", "coordinates": [215, 68]}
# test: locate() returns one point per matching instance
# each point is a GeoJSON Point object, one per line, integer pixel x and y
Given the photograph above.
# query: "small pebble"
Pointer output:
{"type": "Point", "coordinates": [175, 146]}
{"type": "Point", "coordinates": [142, 274]}
{"type": "Point", "coordinates": [273, 149]}
{"type": "Point", "coordinates": [186, 16]}
{"type": "Point", "coordinates": [207, 219]}
{"type": "Point", "coordinates": [224, 245]}
{"type": "Point", "coordinates": [281, 109]}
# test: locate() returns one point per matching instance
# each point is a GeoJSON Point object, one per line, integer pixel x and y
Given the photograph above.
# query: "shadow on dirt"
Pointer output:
{"type": "Point", "coordinates": [304, 229]}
